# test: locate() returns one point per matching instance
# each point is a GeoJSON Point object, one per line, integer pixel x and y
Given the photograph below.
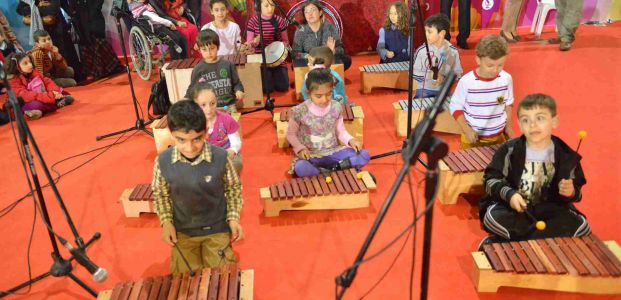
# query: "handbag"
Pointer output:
{"type": "Point", "coordinates": [159, 99]}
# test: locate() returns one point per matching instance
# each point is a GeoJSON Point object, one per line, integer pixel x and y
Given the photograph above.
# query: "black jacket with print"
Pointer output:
{"type": "Point", "coordinates": [503, 174]}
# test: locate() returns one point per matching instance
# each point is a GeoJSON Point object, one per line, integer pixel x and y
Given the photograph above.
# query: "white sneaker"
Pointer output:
{"type": "Point", "coordinates": [33, 114]}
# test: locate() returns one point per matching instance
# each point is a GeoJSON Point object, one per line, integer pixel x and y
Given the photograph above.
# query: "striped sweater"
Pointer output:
{"type": "Point", "coordinates": [483, 102]}
{"type": "Point", "coordinates": [46, 61]}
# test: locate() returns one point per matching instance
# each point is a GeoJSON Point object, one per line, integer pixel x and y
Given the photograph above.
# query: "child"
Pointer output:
{"type": "Point", "coordinates": [482, 100]}
{"type": "Point", "coordinates": [227, 30]}
{"type": "Point", "coordinates": [196, 193]}
{"type": "Point", "coordinates": [315, 129]}
{"type": "Point", "coordinates": [444, 58]}
{"type": "Point", "coordinates": [176, 11]}
{"type": "Point", "coordinates": [222, 129]}
{"type": "Point", "coordinates": [142, 8]}
{"type": "Point", "coordinates": [537, 172]}
{"type": "Point", "coordinates": [393, 44]}
{"type": "Point", "coordinates": [48, 61]}
{"type": "Point", "coordinates": [274, 29]}
{"type": "Point", "coordinates": [323, 57]}
{"type": "Point", "coordinates": [40, 94]}
{"type": "Point", "coordinates": [220, 73]}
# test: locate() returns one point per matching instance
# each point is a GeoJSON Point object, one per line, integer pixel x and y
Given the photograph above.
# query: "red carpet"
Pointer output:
{"type": "Point", "coordinates": [298, 255]}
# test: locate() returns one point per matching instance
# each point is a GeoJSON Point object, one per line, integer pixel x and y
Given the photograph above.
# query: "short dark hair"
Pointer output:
{"type": "Point", "coordinates": [185, 116]}
{"type": "Point", "coordinates": [492, 46]}
{"type": "Point", "coordinates": [538, 100]}
{"type": "Point", "coordinates": [439, 22]}
{"type": "Point", "coordinates": [317, 77]}
{"type": "Point", "coordinates": [212, 2]}
{"type": "Point", "coordinates": [207, 37]}
{"type": "Point", "coordinates": [11, 65]}
{"type": "Point", "coordinates": [322, 55]}
{"type": "Point", "coordinates": [39, 34]}
{"type": "Point", "coordinates": [202, 86]}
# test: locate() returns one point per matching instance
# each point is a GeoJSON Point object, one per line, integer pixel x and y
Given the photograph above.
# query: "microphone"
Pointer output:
{"type": "Point", "coordinates": [99, 274]}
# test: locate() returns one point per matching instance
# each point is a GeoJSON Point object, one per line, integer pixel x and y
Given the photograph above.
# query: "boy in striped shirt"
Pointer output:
{"type": "Point", "coordinates": [483, 98]}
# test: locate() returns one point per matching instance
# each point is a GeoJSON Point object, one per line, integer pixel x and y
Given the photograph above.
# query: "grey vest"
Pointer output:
{"type": "Point", "coordinates": [197, 193]}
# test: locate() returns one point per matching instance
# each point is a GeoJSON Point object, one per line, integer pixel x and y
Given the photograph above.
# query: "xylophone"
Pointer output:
{"type": "Point", "coordinates": [226, 283]}
{"type": "Point", "coordinates": [136, 200]}
{"type": "Point", "coordinates": [162, 136]}
{"type": "Point", "coordinates": [353, 118]}
{"type": "Point", "coordinates": [178, 74]}
{"type": "Point", "coordinates": [390, 75]}
{"type": "Point", "coordinates": [299, 73]}
{"type": "Point", "coordinates": [344, 190]}
{"type": "Point", "coordinates": [461, 172]}
{"type": "Point", "coordinates": [577, 264]}
{"type": "Point", "coordinates": [444, 121]}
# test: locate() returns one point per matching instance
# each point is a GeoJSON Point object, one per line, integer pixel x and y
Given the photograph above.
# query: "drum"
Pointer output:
{"type": "Point", "coordinates": [275, 55]}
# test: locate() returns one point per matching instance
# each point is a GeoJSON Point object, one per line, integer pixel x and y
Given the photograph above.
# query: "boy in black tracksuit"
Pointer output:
{"type": "Point", "coordinates": [537, 172]}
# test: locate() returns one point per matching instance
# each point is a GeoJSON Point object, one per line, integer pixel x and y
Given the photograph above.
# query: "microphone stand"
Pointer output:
{"type": "Point", "coordinates": [60, 266]}
{"type": "Point", "coordinates": [140, 123]}
{"type": "Point", "coordinates": [269, 101]}
{"type": "Point", "coordinates": [413, 9]}
{"type": "Point", "coordinates": [421, 141]}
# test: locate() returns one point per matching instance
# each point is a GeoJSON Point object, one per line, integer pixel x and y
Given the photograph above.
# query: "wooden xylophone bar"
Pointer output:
{"type": "Point", "coordinates": [461, 172]}
{"type": "Point", "coordinates": [344, 191]}
{"type": "Point", "coordinates": [224, 283]}
{"type": "Point", "coordinates": [388, 67]}
{"type": "Point", "coordinates": [444, 121]}
{"type": "Point", "coordinates": [578, 264]}
{"type": "Point", "coordinates": [346, 112]}
{"type": "Point", "coordinates": [470, 160]}
{"type": "Point", "coordinates": [137, 200]}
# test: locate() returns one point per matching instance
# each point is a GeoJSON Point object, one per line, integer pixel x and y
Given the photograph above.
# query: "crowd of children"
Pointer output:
{"type": "Point", "coordinates": [196, 186]}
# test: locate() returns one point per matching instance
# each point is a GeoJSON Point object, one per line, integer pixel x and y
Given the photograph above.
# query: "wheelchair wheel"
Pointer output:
{"type": "Point", "coordinates": [140, 51]}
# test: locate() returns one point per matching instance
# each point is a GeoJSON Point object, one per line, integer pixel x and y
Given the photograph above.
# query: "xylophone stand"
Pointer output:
{"type": "Point", "coordinates": [140, 123]}
{"type": "Point", "coordinates": [420, 141]}
{"type": "Point", "coordinates": [60, 266]}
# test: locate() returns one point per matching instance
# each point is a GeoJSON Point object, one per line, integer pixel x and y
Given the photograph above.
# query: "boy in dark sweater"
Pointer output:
{"type": "Point", "coordinates": [220, 73]}
{"type": "Point", "coordinates": [196, 193]}
{"type": "Point", "coordinates": [538, 173]}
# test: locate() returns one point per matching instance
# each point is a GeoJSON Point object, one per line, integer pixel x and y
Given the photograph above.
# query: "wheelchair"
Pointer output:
{"type": "Point", "coordinates": [144, 38]}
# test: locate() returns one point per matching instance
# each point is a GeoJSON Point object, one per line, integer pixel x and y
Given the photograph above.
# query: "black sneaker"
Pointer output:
{"type": "Point", "coordinates": [490, 240]}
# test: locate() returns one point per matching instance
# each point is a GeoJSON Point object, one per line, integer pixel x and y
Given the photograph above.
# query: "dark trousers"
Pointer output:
{"type": "Point", "coordinates": [561, 221]}
{"type": "Point", "coordinates": [195, 8]}
{"type": "Point", "coordinates": [463, 20]}
{"type": "Point", "coordinates": [275, 79]}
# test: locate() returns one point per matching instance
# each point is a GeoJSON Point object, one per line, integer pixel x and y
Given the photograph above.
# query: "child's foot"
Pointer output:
{"type": "Point", "coordinates": [490, 240]}
{"type": "Point", "coordinates": [64, 102]}
{"type": "Point", "coordinates": [33, 114]}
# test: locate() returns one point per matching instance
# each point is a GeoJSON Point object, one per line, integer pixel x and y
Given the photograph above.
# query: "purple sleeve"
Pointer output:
{"type": "Point", "coordinates": [230, 125]}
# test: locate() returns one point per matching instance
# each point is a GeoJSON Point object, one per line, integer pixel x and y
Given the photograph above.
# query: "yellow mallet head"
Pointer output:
{"type": "Point", "coordinates": [540, 225]}
{"type": "Point", "coordinates": [328, 179]}
{"type": "Point", "coordinates": [582, 134]}
{"type": "Point", "coordinates": [359, 175]}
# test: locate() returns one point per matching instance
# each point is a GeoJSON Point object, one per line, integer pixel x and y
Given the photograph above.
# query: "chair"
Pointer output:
{"type": "Point", "coordinates": [543, 8]}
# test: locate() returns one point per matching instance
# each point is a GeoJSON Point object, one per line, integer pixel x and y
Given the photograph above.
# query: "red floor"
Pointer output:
{"type": "Point", "coordinates": [298, 254]}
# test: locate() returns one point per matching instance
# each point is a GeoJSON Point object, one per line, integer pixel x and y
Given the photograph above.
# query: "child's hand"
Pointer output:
{"type": "Point", "coordinates": [311, 61]}
{"type": "Point", "coordinates": [239, 95]}
{"type": "Point", "coordinates": [566, 187]}
{"type": "Point", "coordinates": [57, 95]}
{"type": "Point", "coordinates": [182, 24]}
{"type": "Point", "coordinates": [390, 54]}
{"type": "Point", "coordinates": [173, 27]}
{"type": "Point", "coordinates": [331, 43]}
{"type": "Point", "coordinates": [169, 233]}
{"type": "Point", "coordinates": [54, 49]}
{"type": "Point", "coordinates": [509, 131]}
{"type": "Point", "coordinates": [230, 153]}
{"type": "Point", "coordinates": [517, 202]}
{"type": "Point", "coordinates": [237, 233]}
{"type": "Point", "coordinates": [355, 144]}
{"type": "Point", "coordinates": [304, 154]}
{"type": "Point", "coordinates": [471, 135]}
{"type": "Point", "coordinates": [256, 39]}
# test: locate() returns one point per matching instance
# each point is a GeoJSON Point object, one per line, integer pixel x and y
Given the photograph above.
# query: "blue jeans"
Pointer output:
{"type": "Point", "coordinates": [311, 167]}
{"type": "Point", "coordinates": [425, 93]}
